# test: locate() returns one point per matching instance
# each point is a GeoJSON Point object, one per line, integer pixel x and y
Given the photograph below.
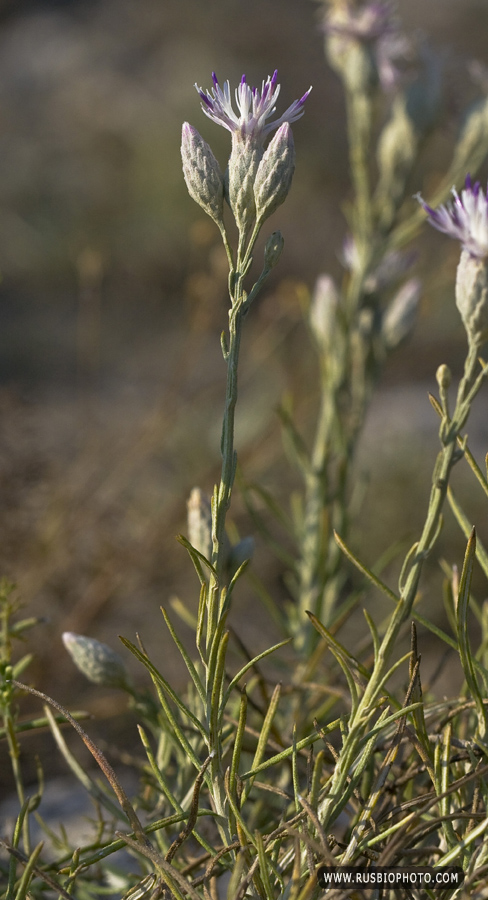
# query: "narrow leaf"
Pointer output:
{"type": "Point", "coordinates": [463, 521]}
{"type": "Point", "coordinates": [365, 571]}
{"type": "Point", "coordinates": [198, 559]}
{"type": "Point", "coordinates": [462, 633]}
{"type": "Point", "coordinates": [159, 679]}
{"type": "Point", "coordinates": [189, 664]}
{"type": "Point", "coordinates": [248, 666]}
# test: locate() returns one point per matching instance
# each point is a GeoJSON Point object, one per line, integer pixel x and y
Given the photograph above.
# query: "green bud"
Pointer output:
{"type": "Point", "coordinates": [323, 311]}
{"type": "Point", "coordinates": [472, 296]}
{"type": "Point", "coordinates": [273, 249]}
{"type": "Point", "coordinates": [200, 522]}
{"type": "Point", "coordinates": [275, 173]}
{"type": "Point", "coordinates": [97, 662]}
{"type": "Point", "coordinates": [397, 150]}
{"type": "Point", "coordinates": [202, 173]}
{"type": "Point", "coordinates": [443, 376]}
{"type": "Point", "coordinates": [244, 160]}
{"type": "Point", "coordinates": [399, 318]}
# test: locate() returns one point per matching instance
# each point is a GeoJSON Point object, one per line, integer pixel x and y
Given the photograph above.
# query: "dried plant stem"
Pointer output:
{"type": "Point", "coordinates": [99, 757]}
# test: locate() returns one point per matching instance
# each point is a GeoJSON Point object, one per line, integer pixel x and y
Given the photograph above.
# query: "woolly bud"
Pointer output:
{"type": "Point", "coordinates": [273, 250]}
{"type": "Point", "coordinates": [323, 310]}
{"type": "Point", "coordinates": [200, 522]}
{"type": "Point", "coordinates": [97, 662]}
{"type": "Point", "coordinates": [399, 318]}
{"type": "Point", "coordinates": [275, 173]}
{"type": "Point", "coordinates": [397, 149]}
{"type": "Point", "coordinates": [472, 296]}
{"type": "Point", "coordinates": [202, 173]}
{"type": "Point", "coordinates": [244, 160]}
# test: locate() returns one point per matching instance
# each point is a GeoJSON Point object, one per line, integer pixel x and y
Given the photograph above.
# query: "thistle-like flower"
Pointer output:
{"type": "Point", "coordinates": [249, 128]}
{"type": "Point", "coordinates": [368, 23]}
{"type": "Point", "coordinates": [374, 26]}
{"type": "Point", "coordinates": [254, 108]}
{"type": "Point", "coordinates": [465, 218]}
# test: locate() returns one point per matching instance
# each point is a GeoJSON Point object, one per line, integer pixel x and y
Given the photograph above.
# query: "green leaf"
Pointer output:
{"type": "Point", "coordinates": [293, 442]}
{"type": "Point", "coordinates": [350, 666]}
{"type": "Point", "coordinates": [189, 664]}
{"type": "Point", "coordinates": [197, 558]}
{"type": "Point", "coordinates": [239, 737]}
{"type": "Point", "coordinates": [248, 666]}
{"type": "Point", "coordinates": [365, 571]}
{"type": "Point", "coordinates": [168, 690]}
{"type": "Point", "coordinates": [184, 613]}
{"type": "Point", "coordinates": [447, 639]}
{"type": "Point", "coordinates": [28, 872]}
{"type": "Point", "coordinates": [264, 866]}
{"type": "Point", "coordinates": [462, 634]}
{"type": "Point", "coordinates": [465, 524]}
{"type": "Point", "coordinates": [264, 734]}
{"type": "Point", "coordinates": [285, 754]}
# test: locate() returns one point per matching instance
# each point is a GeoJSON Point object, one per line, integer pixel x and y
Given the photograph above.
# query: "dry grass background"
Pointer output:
{"type": "Point", "coordinates": [114, 295]}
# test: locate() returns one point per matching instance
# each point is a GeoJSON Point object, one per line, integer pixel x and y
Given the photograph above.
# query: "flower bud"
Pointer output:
{"type": "Point", "coordinates": [200, 522]}
{"type": "Point", "coordinates": [397, 149]}
{"type": "Point", "coordinates": [399, 318]}
{"type": "Point", "coordinates": [97, 662]}
{"type": "Point", "coordinates": [202, 173]}
{"type": "Point", "coordinates": [323, 310]}
{"type": "Point", "coordinates": [275, 173]}
{"type": "Point", "coordinates": [472, 296]}
{"type": "Point", "coordinates": [443, 376]}
{"type": "Point", "coordinates": [244, 160]}
{"type": "Point", "coordinates": [273, 250]}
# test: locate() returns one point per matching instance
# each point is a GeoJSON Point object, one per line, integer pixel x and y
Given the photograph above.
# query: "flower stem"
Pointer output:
{"type": "Point", "coordinates": [229, 457]}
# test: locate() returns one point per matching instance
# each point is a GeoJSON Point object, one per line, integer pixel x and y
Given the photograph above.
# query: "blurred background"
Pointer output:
{"type": "Point", "coordinates": [113, 297]}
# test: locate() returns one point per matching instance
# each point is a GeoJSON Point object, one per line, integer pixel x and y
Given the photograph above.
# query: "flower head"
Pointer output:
{"type": "Point", "coordinates": [254, 107]}
{"type": "Point", "coordinates": [373, 25]}
{"type": "Point", "coordinates": [370, 22]}
{"type": "Point", "coordinates": [465, 218]}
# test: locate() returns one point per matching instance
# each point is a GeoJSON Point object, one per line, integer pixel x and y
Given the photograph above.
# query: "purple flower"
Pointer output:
{"type": "Point", "coordinates": [370, 22]}
{"type": "Point", "coordinates": [254, 108]}
{"type": "Point", "coordinates": [465, 218]}
{"type": "Point", "coordinates": [373, 24]}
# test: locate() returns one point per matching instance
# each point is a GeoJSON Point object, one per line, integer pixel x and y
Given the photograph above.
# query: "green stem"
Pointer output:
{"type": "Point", "coordinates": [448, 457]}
{"type": "Point", "coordinates": [217, 606]}
{"type": "Point", "coordinates": [313, 528]}
{"type": "Point", "coordinates": [229, 459]}
{"type": "Point", "coordinates": [359, 129]}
